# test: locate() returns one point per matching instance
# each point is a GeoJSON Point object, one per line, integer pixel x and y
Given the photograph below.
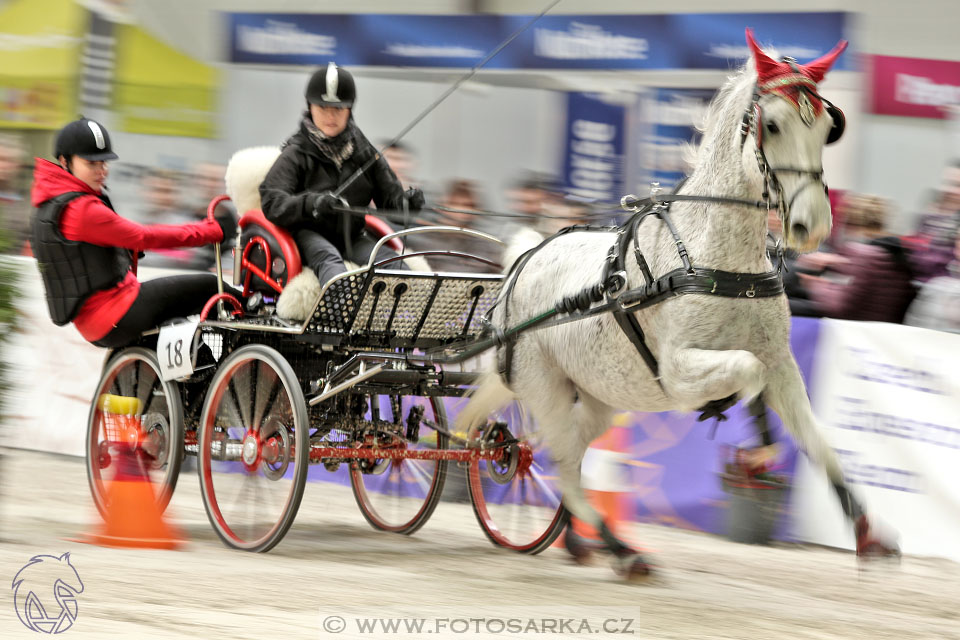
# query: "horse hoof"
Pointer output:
{"type": "Point", "coordinates": [870, 545]}
{"type": "Point", "coordinates": [576, 546]}
{"type": "Point", "coordinates": [876, 549]}
{"type": "Point", "coordinates": [632, 567]}
{"type": "Point", "coordinates": [580, 553]}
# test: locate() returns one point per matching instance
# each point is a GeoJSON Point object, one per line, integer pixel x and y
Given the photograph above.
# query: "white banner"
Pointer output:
{"type": "Point", "coordinates": [888, 398]}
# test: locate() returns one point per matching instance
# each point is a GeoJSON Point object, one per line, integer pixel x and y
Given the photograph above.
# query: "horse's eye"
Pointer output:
{"type": "Point", "coordinates": [772, 127]}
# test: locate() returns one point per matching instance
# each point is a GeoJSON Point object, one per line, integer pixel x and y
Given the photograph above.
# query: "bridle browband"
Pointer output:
{"type": "Point", "coordinates": [753, 121]}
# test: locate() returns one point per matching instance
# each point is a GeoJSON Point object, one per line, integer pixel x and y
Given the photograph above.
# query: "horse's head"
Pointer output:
{"type": "Point", "coordinates": [789, 123]}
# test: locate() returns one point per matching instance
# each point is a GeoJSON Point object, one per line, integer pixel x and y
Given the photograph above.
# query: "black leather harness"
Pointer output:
{"type": "Point", "coordinates": [623, 303]}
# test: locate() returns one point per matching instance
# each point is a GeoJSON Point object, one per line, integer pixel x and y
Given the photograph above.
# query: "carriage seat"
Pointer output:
{"type": "Point", "coordinates": [269, 257]}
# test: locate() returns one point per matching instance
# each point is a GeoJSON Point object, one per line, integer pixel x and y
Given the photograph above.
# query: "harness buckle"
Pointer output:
{"type": "Point", "coordinates": [655, 190]}
{"type": "Point", "coordinates": [614, 251]}
{"type": "Point", "coordinates": [627, 203]}
{"type": "Point", "coordinates": [616, 284]}
{"type": "Point", "coordinates": [751, 292]}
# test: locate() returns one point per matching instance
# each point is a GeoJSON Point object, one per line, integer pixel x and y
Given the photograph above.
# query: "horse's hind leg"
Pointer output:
{"type": "Point", "coordinates": [571, 422]}
{"type": "Point", "coordinates": [787, 396]}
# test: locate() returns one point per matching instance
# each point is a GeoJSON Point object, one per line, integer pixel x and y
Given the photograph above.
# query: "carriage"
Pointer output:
{"type": "Point", "coordinates": [365, 382]}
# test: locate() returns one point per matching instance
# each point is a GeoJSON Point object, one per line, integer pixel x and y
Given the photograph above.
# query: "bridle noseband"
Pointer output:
{"type": "Point", "coordinates": [753, 122]}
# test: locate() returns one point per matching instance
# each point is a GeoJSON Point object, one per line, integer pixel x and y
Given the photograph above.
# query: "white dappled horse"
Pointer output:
{"type": "Point", "coordinates": [763, 142]}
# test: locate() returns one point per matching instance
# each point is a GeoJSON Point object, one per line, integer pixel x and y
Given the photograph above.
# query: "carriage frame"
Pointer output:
{"type": "Point", "coordinates": [361, 382]}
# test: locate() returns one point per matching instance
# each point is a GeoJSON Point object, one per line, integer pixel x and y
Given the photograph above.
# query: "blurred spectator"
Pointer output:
{"type": "Point", "coordinates": [208, 184]}
{"type": "Point", "coordinates": [457, 202]}
{"type": "Point", "coordinates": [539, 196]}
{"type": "Point", "coordinates": [870, 279]}
{"type": "Point", "coordinates": [402, 161]}
{"type": "Point", "coordinates": [161, 196]}
{"type": "Point", "coordinates": [460, 198]}
{"type": "Point", "coordinates": [938, 304]}
{"type": "Point", "coordinates": [938, 228]}
{"type": "Point", "coordinates": [528, 194]}
{"type": "Point", "coordinates": [560, 212]}
{"type": "Point", "coordinates": [14, 204]}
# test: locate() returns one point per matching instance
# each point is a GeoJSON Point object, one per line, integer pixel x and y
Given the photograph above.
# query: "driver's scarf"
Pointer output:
{"type": "Point", "coordinates": [336, 149]}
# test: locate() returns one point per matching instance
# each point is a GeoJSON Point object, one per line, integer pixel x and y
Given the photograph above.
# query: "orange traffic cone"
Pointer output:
{"type": "Point", "coordinates": [605, 481]}
{"type": "Point", "coordinates": [133, 517]}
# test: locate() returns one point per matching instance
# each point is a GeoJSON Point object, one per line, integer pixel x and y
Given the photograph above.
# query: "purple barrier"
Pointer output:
{"type": "Point", "coordinates": [675, 464]}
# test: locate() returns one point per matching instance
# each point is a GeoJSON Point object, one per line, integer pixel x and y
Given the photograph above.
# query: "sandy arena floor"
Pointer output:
{"type": "Point", "coordinates": [332, 572]}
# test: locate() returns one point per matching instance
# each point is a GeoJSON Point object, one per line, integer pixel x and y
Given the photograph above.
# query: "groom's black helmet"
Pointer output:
{"type": "Point", "coordinates": [332, 86]}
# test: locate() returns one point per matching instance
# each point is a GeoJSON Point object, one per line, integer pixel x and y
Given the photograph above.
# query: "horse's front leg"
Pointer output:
{"type": "Point", "coordinates": [787, 395]}
{"type": "Point", "coordinates": [693, 376]}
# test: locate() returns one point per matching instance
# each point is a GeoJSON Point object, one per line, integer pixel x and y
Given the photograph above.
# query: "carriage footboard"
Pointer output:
{"type": "Point", "coordinates": [405, 308]}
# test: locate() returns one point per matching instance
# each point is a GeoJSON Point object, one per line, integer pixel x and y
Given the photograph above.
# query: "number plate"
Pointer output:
{"type": "Point", "coordinates": [173, 349]}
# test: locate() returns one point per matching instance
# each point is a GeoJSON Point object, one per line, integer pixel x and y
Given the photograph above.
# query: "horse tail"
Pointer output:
{"type": "Point", "coordinates": [522, 241]}
{"type": "Point", "coordinates": [490, 395]}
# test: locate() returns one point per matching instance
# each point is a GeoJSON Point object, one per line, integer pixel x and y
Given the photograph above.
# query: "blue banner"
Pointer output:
{"type": "Point", "coordinates": [717, 41]}
{"type": "Point", "coordinates": [590, 42]}
{"type": "Point", "coordinates": [691, 41]}
{"type": "Point", "coordinates": [593, 148]}
{"type": "Point", "coordinates": [672, 119]}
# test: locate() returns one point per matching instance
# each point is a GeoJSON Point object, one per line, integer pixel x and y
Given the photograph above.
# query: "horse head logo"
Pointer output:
{"type": "Point", "coordinates": [45, 594]}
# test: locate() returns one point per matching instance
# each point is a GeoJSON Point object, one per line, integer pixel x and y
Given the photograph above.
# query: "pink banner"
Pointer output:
{"type": "Point", "coordinates": [914, 87]}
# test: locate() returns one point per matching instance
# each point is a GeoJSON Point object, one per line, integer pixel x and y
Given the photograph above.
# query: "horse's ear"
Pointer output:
{"type": "Point", "coordinates": [819, 67]}
{"type": "Point", "coordinates": [766, 66]}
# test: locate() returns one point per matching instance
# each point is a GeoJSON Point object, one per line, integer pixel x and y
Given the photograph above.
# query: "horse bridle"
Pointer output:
{"type": "Point", "coordinates": [753, 122]}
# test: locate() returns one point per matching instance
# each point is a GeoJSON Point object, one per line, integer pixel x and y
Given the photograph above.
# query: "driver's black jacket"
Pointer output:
{"type": "Point", "coordinates": [302, 172]}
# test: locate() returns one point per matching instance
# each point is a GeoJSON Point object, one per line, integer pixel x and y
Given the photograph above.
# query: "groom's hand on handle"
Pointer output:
{"type": "Point", "coordinates": [226, 227]}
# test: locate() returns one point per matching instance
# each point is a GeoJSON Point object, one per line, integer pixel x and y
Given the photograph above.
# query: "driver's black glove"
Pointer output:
{"type": "Point", "coordinates": [326, 204]}
{"type": "Point", "coordinates": [414, 198]}
{"type": "Point", "coordinates": [227, 225]}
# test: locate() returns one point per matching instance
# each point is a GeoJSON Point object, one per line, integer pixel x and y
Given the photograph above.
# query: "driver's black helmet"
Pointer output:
{"type": "Point", "coordinates": [332, 86]}
{"type": "Point", "coordinates": [85, 138]}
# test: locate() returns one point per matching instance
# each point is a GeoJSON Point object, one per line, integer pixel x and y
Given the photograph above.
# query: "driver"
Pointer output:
{"type": "Point", "coordinates": [85, 251]}
{"type": "Point", "coordinates": [329, 148]}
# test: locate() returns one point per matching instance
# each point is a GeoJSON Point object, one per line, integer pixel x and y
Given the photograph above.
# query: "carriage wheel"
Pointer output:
{"type": "Point", "coordinates": [253, 448]}
{"type": "Point", "coordinates": [400, 495]}
{"type": "Point", "coordinates": [135, 373]}
{"type": "Point", "coordinates": [516, 498]}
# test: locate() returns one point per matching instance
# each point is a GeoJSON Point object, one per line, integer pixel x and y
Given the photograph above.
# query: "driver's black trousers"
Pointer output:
{"type": "Point", "coordinates": [326, 259]}
{"type": "Point", "coordinates": [160, 300]}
